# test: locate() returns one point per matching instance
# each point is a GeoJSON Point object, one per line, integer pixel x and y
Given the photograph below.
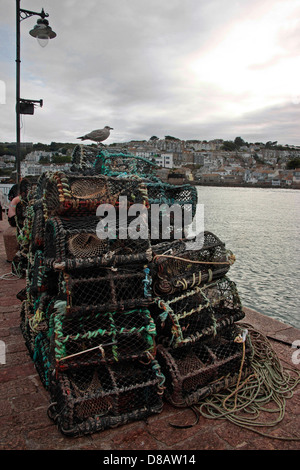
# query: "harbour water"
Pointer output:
{"type": "Point", "coordinates": [262, 229]}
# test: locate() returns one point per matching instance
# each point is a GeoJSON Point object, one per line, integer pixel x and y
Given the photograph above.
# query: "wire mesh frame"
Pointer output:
{"type": "Point", "coordinates": [177, 268]}
{"type": "Point", "coordinates": [197, 313]}
{"type": "Point", "coordinates": [205, 367]}
{"type": "Point", "coordinates": [97, 398]}
{"type": "Point", "coordinates": [100, 337]}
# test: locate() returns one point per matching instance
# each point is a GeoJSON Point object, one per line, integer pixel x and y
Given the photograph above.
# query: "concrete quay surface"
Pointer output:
{"type": "Point", "coordinates": [25, 424]}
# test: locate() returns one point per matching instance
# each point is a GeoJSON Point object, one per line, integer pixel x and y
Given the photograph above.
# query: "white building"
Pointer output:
{"type": "Point", "coordinates": [30, 169]}
{"type": "Point", "coordinates": [165, 160]}
{"type": "Point", "coordinates": [35, 156]}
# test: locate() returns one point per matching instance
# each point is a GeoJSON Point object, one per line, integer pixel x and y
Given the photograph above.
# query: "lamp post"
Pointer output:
{"type": "Point", "coordinates": [43, 33]}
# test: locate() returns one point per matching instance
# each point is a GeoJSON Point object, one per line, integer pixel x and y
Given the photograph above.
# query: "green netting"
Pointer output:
{"type": "Point", "coordinates": [124, 165]}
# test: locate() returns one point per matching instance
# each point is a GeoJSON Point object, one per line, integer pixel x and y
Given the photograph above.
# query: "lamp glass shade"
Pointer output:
{"type": "Point", "coordinates": [42, 32]}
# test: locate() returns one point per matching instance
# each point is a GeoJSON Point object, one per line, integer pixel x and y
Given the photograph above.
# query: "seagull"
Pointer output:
{"type": "Point", "coordinates": [98, 135]}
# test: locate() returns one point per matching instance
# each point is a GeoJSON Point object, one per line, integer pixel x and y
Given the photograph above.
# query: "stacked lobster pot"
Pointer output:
{"type": "Point", "coordinates": [86, 317]}
{"type": "Point", "coordinates": [116, 323]}
{"type": "Point", "coordinates": [196, 307]}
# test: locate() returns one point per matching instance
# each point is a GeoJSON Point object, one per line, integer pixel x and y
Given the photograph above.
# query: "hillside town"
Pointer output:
{"type": "Point", "coordinates": [201, 162]}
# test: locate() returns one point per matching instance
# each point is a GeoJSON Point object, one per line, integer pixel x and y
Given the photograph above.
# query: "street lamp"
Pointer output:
{"type": "Point", "coordinates": [43, 33]}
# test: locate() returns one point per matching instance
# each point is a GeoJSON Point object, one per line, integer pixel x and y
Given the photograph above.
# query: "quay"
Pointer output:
{"type": "Point", "coordinates": [25, 424]}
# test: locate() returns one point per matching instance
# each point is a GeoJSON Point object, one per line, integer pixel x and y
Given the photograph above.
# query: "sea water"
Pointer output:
{"type": "Point", "coordinates": [262, 229]}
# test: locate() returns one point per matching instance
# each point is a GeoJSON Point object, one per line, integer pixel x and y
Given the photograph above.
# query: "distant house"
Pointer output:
{"type": "Point", "coordinates": [210, 178]}
{"type": "Point", "coordinates": [176, 178]}
{"type": "Point", "coordinates": [165, 160]}
{"type": "Point", "coordinates": [296, 176]}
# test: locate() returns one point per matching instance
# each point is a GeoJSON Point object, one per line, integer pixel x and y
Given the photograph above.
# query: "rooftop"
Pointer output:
{"type": "Point", "coordinates": [24, 401]}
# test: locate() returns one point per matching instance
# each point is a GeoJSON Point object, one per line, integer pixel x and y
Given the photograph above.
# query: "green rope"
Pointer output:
{"type": "Point", "coordinates": [148, 330]}
{"type": "Point", "coordinates": [264, 390]}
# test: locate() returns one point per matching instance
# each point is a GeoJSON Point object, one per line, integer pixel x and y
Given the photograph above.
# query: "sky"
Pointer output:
{"type": "Point", "coordinates": [193, 69]}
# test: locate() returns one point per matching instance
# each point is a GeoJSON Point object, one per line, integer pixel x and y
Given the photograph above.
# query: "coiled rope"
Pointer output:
{"type": "Point", "coordinates": [268, 384]}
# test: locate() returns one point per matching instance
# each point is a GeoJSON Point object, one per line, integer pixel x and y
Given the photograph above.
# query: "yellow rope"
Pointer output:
{"type": "Point", "coordinates": [187, 260]}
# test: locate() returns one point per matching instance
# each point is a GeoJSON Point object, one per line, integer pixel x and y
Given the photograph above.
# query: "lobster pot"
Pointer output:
{"type": "Point", "coordinates": [120, 164]}
{"type": "Point", "coordinates": [76, 242]}
{"type": "Point", "coordinates": [198, 313]}
{"type": "Point", "coordinates": [83, 158]}
{"type": "Point", "coordinates": [177, 267]}
{"type": "Point", "coordinates": [40, 278]}
{"type": "Point", "coordinates": [38, 226]}
{"type": "Point", "coordinates": [102, 289]}
{"type": "Point", "coordinates": [159, 192]}
{"type": "Point", "coordinates": [29, 335]}
{"type": "Point", "coordinates": [96, 398]}
{"type": "Point", "coordinates": [75, 195]}
{"type": "Point", "coordinates": [86, 339]}
{"type": "Point", "coordinates": [41, 358]}
{"type": "Point", "coordinates": [41, 185]}
{"type": "Point", "coordinates": [35, 314]}
{"type": "Point", "coordinates": [196, 371]}
{"type": "Point", "coordinates": [24, 232]}
{"type": "Point", "coordinates": [171, 210]}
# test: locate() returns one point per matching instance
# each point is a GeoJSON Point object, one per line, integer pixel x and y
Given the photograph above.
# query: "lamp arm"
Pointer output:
{"type": "Point", "coordinates": [24, 14]}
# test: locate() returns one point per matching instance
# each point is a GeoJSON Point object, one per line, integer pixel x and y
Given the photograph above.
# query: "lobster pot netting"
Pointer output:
{"type": "Point", "coordinates": [95, 338]}
{"type": "Point", "coordinates": [41, 185]}
{"type": "Point", "coordinates": [106, 288]}
{"type": "Point", "coordinates": [24, 232]}
{"type": "Point", "coordinates": [35, 315]}
{"type": "Point", "coordinates": [38, 226]}
{"type": "Point", "coordinates": [41, 358]}
{"type": "Point", "coordinates": [205, 367]}
{"type": "Point", "coordinates": [75, 195]}
{"type": "Point", "coordinates": [83, 158]}
{"type": "Point", "coordinates": [198, 313]}
{"type": "Point", "coordinates": [76, 242]}
{"type": "Point", "coordinates": [96, 398]}
{"type": "Point", "coordinates": [40, 278]}
{"type": "Point", "coordinates": [164, 193]}
{"type": "Point", "coordinates": [120, 164]}
{"type": "Point", "coordinates": [177, 268]}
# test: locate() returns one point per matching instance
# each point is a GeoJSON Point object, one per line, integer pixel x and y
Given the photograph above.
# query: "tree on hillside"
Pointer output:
{"type": "Point", "coordinates": [294, 163]}
{"type": "Point", "coordinates": [169, 137]}
{"type": "Point", "coordinates": [239, 142]}
{"type": "Point", "coordinates": [228, 145]}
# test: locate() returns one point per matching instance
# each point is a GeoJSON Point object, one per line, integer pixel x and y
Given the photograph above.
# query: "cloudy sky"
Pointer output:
{"type": "Point", "coordinates": [193, 69]}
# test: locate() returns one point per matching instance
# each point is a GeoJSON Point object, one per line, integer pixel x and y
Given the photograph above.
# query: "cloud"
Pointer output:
{"type": "Point", "coordinates": [194, 69]}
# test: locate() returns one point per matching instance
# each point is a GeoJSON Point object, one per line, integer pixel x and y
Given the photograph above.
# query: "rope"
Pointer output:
{"type": "Point", "coordinates": [8, 276]}
{"type": "Point", "coordinates": [268, 384]}
{"type": "Point", "coordinates": [187, 260]}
